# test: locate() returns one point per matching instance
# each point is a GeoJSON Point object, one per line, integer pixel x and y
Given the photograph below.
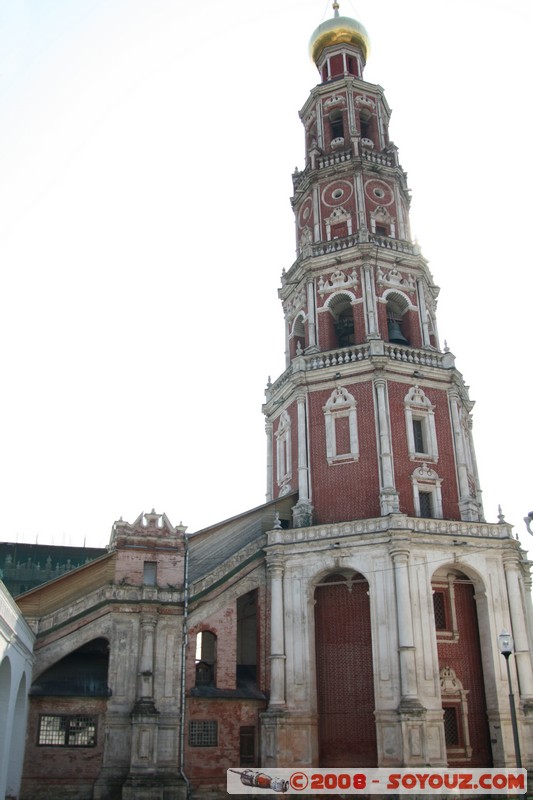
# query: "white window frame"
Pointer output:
{"type": "Point", "coordinates": [419, 407]}
{"type": "Point", "coordinates": [425, 479]}
{"type": "Point", "coordinates": [341, 404]}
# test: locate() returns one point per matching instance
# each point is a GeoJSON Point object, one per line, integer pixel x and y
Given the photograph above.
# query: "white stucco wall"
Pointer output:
{"type": "Point", "coordinates": [16, 660]}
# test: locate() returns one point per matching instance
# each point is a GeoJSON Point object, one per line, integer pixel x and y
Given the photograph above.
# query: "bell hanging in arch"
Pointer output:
{"type": "Point", "coordinates": [395, 332]}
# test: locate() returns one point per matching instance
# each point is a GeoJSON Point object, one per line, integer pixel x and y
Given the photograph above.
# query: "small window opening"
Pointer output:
{"type": "Point", "coordinates": [365, 125]}
{"type": "Point", "coordinates": [418, 435]}
{"type": "Point", "coordinates": [344, 328]}
{"type": "Point", "coordinates": [206, 646]}
{"type": "Point", "coordinates": [451, 726]}
{"type": "Point", "coordinates": [426, 504]}
{"type": "Point", "coordinates": [337, 125]}
{"type": "Point", "coordinates": [247, 746]}
{"type": "Point", "coordinates": [150, 573]}
{"type": "Point", "coordinates": [203, 733]}
{"type": "Point", "coordinates": [382, 230]}
{"type": "Point", "coordinates": [247, 641]}
{"type": "Point", "coordinates": [351, 65]}
{"type": "Point", "coordinates": [439, 609]}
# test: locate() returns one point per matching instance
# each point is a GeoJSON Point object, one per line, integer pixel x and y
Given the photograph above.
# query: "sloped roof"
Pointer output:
{"type": "Point", "coordinates": [211, 546]}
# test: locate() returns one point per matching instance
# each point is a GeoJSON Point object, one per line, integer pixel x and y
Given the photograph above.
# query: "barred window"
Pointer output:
{"type": "Point", "coordinates": [67, 731]}
{"type": "Point", "coordinates": [439, 607]}
{"type": "Point", "coordinates": [203, 733]}
{"type": "Point", "coordinates": [451, 726]}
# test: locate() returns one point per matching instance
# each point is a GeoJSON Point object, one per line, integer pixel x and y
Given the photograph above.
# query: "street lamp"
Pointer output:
{"type": "Point", "coordinates": [528, 520]}
{"type": "Point", "coordinates": [505, 644]}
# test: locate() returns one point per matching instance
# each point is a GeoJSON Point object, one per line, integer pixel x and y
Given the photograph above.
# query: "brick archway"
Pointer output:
{"type": "Point", "coordinates": [345, 685]}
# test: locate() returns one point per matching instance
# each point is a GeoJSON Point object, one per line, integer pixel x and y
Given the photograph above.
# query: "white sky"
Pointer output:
{"type": "Point", "coordinates": [145, 159]}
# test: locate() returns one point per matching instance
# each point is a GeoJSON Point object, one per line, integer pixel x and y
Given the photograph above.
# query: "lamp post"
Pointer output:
{"type": "Point", "coordinates": [505, 644]}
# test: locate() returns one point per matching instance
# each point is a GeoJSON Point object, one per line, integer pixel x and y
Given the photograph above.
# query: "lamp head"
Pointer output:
{"type": "Point", "coordinates": [505, 643]}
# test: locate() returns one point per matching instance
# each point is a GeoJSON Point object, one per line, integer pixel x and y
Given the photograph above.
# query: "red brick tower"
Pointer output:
{"type": "Point", "coordinates": [371, 416]}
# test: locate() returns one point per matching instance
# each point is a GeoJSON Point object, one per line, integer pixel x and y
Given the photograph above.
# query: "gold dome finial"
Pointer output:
{"type": "Point", "coordinates": [338, 30]}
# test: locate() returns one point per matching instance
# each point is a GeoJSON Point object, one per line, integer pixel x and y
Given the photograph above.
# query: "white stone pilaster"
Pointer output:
{"type": "Point", "coordinates": [519, 626]}
{"type": "Point", "coordinates": [277, 634]}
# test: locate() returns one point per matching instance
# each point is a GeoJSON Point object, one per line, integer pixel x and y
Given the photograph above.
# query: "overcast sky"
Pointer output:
{"type": "Point", "coordinates": [146, 155]}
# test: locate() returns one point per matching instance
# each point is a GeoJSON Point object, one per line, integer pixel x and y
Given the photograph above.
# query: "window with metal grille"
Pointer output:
{"type": "Point", "coordinates": [451, 726]}
{"type": "Point", "coordinates": [247, 746]}
{"type": "Point", "coordinates": [439, 608]}
{"type": "Point", "coordinates": [426, 506]}
{"type": "Point", "coordinates": [203, 733]}
{"type": "Point", "coordinates": [67, 731]}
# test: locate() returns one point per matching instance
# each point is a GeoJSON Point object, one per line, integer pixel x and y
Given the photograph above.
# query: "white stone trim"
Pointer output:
{"type": "Point", "coordinates": [340, 405]}
{"type": "Point", "coordinates": [418, 407]}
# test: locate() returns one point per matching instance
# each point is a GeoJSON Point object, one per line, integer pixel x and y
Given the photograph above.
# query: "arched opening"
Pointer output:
{"type": "Point", "coordinates": [14, 761]}
{"type": "Point", "coordinates": [365, 126]}
{"type": "Point", "coordinates": [464, 704]}
{"type": "Point", "coordinates": [396, 327]}
{"type": "Point", "coordinates": [247, 644]}
{"type": "Point", "coordinates": [5, 691]}
{"type": "Point", "coordinates": [343, 322]}
{"type": "Point", "coordinates": [206, 658]}
{"type": "Point", "coordinates": [336, 127]}
{"type": "Point", "coordinates": [297, 344]}
{"type": "Point", "coordinates": [82, 673]}
{"type": "Point", "coordinates": [345, 684]}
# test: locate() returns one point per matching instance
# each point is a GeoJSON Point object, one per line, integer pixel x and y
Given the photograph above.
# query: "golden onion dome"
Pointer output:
{"type": "Point", "coordinates": [338, 30]}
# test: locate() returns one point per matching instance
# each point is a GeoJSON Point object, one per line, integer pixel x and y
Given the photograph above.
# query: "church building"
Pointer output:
{"type": "Point", "coordinates": [353, 619]}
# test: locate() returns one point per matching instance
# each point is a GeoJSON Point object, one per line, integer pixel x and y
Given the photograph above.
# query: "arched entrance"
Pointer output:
{"type": "Point", "coordinates": [345, 684]}
{"type": "Point", "coordinates": [466, 726]}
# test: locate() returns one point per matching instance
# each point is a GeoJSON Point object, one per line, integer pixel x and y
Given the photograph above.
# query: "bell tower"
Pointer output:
{"type": "Point", "coordinates": [388, 588]}
{"type": "Point", "coordinates": [371, 416]}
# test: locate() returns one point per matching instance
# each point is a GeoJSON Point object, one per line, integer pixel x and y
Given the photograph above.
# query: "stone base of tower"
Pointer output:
{"type": "Point", "coordinates": [410, 736]}
{"type": "Point", "coordinates": [288, 739]}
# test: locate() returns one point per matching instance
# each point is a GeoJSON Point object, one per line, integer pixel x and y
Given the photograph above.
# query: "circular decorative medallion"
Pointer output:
{"type": "Point", "coordinates": [379, 191]}
{"type": "Point", "coordinates": [336, 193]}
{"type": "Point", "coordinates": [305, 212]}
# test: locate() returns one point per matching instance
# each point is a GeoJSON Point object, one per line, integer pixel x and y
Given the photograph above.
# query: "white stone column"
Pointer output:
{"type": "Point", "coordinates": [388, 494]}
{"type": "Point", "coordinates": [408, 682]}
{"type": "Point", "coordinates": [370, 302]}
{"type": "Point", "coordinates": [311, 315]}
{"type": "Point", "coordinates": [422, 310]}
{"type": "Point", "coordinates": [467, 504]}
{"type": "Point", "coordinates": [518, 623]}
{"type": "Point", "coordinates": [303, 483]}
{"type": "Point", "coordinates": [270, 473]}
{"type": "Point", "coordinates": [277, 633]}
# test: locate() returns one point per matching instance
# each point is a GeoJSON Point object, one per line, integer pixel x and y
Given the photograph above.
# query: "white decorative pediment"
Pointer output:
{"type": "Point", "coordinates": [294, 304]}
{"type": "Point", "coordinates": [416, 397]}
{"type": "Point", "coordinates": [334, 102]}
{"type": "Point", "coordinates": [396, 278]}
{"type": "Point", "coordinates": [340, 397]}
{"type": "Point", "coordinates": [337, 280]}
{"type": "Point", "coordinates": [362, 101]}
{"type": "Point", "coordinates": [425, 473]}
{"type": "Point", "coordinates": [449, 682]}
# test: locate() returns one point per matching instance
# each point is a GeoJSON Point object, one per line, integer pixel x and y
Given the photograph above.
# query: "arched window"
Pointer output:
{"type": "Point", "coordinates": [396, 307]}
{"type": "Point", "coordinates": [341, 310]}
{"type": "Point", "coordinates": [336, 125]}
{"type": "Point", "coordinates": [82, 673]}
{"type": "Point", "coordinates": [206, 658]}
